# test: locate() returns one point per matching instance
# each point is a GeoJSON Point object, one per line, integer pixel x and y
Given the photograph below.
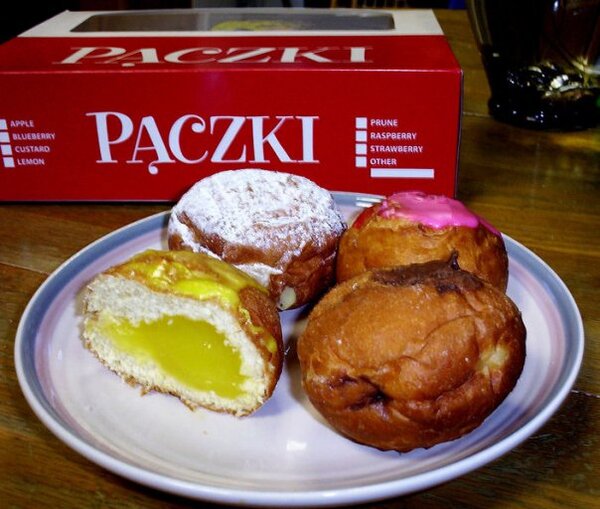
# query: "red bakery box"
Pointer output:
{"type": "Point", "coordinates": [139, 105]}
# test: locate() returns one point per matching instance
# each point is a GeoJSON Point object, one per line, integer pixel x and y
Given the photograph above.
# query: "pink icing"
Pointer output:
{"type": "Point", "coordinates": [435, 211]}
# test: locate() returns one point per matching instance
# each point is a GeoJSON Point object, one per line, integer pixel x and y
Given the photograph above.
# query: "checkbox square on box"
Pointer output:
{"type": "Point", "coordinates": [361, 123]}
{"type": "Point", "coordinates": [4, 137]}
{"type": "Point", "coordinates": [3, 124]}
{"type": "Point", "coordinates": [361, 136]}
{"type": "Point", "coordinates": [361, 162]}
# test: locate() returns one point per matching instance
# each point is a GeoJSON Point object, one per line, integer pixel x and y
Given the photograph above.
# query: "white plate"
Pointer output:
{"type": "Point", "coordinates": [285, 454]}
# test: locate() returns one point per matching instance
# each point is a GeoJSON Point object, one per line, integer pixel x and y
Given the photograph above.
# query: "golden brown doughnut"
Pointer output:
{"type": "Point", "coordinates": [410, 357]}
{"type": "Point", "coordinates": [189, 325]}
{"type": "Point", "coordinates": [281, 229]}
{"type": "Point", "coordinates": [413, 227]}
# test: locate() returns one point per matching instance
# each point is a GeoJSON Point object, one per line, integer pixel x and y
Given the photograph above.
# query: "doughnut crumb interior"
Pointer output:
{"type": "Point", "coordinates": [189, 325]}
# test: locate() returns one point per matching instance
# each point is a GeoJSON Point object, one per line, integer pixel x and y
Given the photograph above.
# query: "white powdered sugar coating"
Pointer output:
{"type": "Point", "coordinates": [269, 210]}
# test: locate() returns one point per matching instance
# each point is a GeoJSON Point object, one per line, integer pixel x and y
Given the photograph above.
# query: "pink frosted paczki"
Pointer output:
{"type": "Point", "coordinates": [434, 211]}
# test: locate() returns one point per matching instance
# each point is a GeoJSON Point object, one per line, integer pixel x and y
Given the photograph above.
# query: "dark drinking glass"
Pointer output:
{"type": "Point", "coordinates": [542, 62]}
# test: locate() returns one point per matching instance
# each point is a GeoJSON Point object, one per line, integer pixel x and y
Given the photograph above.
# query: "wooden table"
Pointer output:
{"type": "Point", "coordinates": [542, 189]}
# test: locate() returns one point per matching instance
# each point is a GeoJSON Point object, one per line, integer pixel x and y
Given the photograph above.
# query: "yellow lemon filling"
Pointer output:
{"type": "Point", "coordinates": [191, 351]}
{"type": "Point", "coordinates": [188, 274]}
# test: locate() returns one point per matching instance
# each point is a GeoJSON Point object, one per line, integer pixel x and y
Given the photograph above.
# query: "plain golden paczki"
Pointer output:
{"type": "Point", "coordinates": [409, 357]}
{"type": "Point", "coordinates": [186, 324]}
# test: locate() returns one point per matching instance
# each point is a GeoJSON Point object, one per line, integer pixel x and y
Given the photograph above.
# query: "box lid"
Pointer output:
{"type": "Point", "coordinates": [225, 39]}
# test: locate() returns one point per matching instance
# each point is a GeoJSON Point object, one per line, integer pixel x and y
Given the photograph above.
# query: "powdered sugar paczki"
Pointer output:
{"type": "Point", "coordinates": [268, 210]}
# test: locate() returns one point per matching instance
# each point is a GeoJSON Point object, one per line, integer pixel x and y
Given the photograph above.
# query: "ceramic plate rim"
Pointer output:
{"type": "Point", "coordinates": [321, 497]}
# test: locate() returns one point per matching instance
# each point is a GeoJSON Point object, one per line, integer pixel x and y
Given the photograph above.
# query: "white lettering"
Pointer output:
{"type": "Point", "coordinates": [148, 125]}
{"type": "Point", "coordinates": [21, 123]}
{"type": "Point", "coordinates": [376, 161]}
{"type": "Point", "coordinates": [33, 136]}
{"type": "Point", "coordinates": [384, 122]}
{"type": "Point", "coordinates": [389, 135]}
{"type": "Point", "coordinates": [139, 56]}
{"type": "Point", "coordinates": [259, 139]}
{"type": "Point", "coordinates": [308, 155]}
{"type": "Point", "coordinates": [31, 162]}
{"type": "Point", "coordinates": [410, 149]}
{"type": "Point", "coordinates": [28, 149]}
{"type": "Point", "coordinates": [227, 139]}
{"type": "Point", "coordinates": [290, 55]}
{"type": "Point", "coordinates": [202, 55]}
{"type": "Point", "coordinates": [177, 57]}
{"type": "Point", "coordinates": [246, 54]}
{"type": "Point", "coordinates": [104, 141]}
{"type": "Point", "coordinates": [198, 126]}
{"type": "Point", "coordinates": [192, 139]}
{"type": "Point", "coordinates": [92, 52]}
{"type": "Point", "coordinates": [358, 54]}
